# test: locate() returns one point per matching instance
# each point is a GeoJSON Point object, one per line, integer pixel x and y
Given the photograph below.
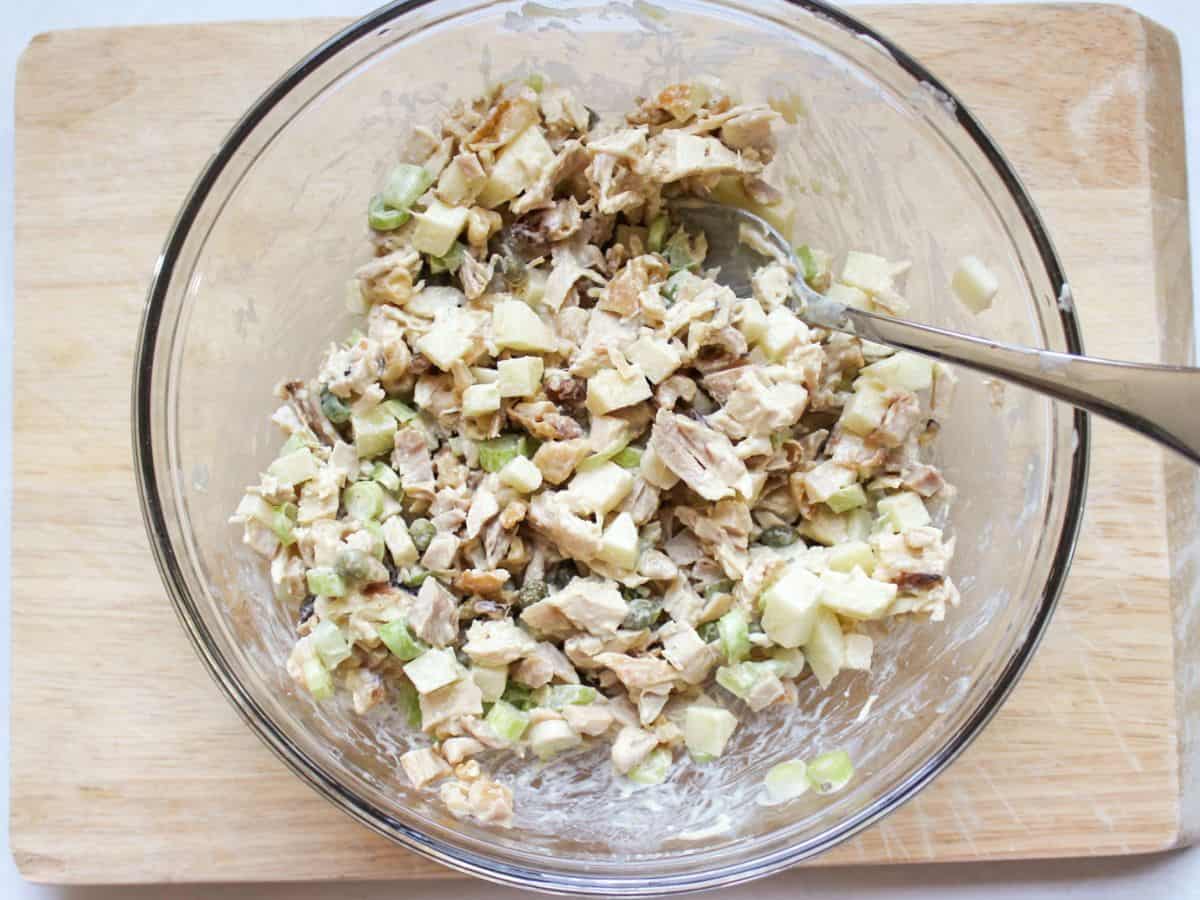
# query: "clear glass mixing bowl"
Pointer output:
{"type": "Point", "coordinates": [249, 289]}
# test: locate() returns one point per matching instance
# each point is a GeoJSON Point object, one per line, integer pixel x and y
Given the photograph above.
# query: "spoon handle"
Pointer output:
{"type": "Point", "coordinates": [1161, 402]}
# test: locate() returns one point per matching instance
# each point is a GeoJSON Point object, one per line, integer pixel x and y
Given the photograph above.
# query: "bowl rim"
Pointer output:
{"type": "Point", "coordinates": [468, 861]}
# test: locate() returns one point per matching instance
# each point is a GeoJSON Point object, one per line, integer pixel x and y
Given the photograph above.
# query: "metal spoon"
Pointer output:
{"type": "Point", "coordinates": [1160, 402]}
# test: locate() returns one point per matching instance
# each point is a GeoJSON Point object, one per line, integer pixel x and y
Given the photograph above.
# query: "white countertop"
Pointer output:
{"type": "Point", "coordinates": [1175, 875]}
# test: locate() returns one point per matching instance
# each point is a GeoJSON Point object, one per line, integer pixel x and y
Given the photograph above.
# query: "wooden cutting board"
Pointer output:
{"type": "Point", "coordinates": [127, 763]}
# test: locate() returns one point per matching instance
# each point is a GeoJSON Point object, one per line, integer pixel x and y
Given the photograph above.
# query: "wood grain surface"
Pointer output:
{"type": "Point", "coordinates": [127, 763]}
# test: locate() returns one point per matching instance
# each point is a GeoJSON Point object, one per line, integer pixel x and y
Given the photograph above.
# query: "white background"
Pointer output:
{"type": "Point", "coordinates": [1175, 875]}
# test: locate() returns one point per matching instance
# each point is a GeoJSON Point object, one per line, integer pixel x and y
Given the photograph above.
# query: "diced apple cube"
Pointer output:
{"type": "Point", "coordinates": [399, 542]}
{"type": "Point", "coordinates": [848, 296]}
{"type": "Point", "coordinates": [855, 595]}
{"type": "Point", "coordinates": [750, 320]}
{"type": "Point", "coordinates": [295, 467]}
{"type": "Point", "coordinates": [374, 432]}
{"type": "Point", "coordinates": [491, 681]}
{"type": "Point", "coordinates": [461, 180]}
{"type": "Point", "coordinates": [438, 227]}
{"type": "Point", "coordinates": [619, 543]}
{"type": "Point", "coordinates": [600, 489]}
{"type": "Point", "coordinates": [445, 343]}
{"type": "Point", "coordinates": [707, 729]}
{"type": "Point", "coordinates": [520, 474]}
{"type": "Point", "coordinates": [516, 326]}
{"type": "Point", "coordinates": [826, 648]}
{"type": "Point", "coordinates": [655, 471]}
{"type": "Point", "coordinates": [516, 167]}
{"type": "Point", "coordinates": [784, 332]}
{"type": "Point", "coordinates": [974, 284]}
{"type": "Point", "coordinates": [521, 376]}
{"type": "Point", "coordinates": [904, 510]}
{"type": "Point", "coordinates": [433, 669]}
{"type": "Point", "coordinates": [607, 390]}
{"type": "Point", "coordinates": [435, 299]}
{"type": "Point", "coordinates": [480, 400]}
{"type": "Point", "coordinates": [790, 607]}
{"type": "Point", "coordinates": [821, 482]}
{"type": "Point", "coordinates": [825, 526]}
{"type": "Point", "coordinates": [859, 648]}
{"type": "Point", "coordinates": [864, 413]}
{"type": "Point", "coordinates": [867, 272]}
{"type": "Point", "coordinates": [850, 555]}
{"type": "Point", "coordinates": [903, 370]}
{"type": "Point", "coordinates": [656, 357]}
{"type": "Point", "coordinates": [851, 496]}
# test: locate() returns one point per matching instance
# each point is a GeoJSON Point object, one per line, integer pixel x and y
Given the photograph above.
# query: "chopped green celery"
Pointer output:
{"type": "Point", "coordinates": [787, 781]}
{"type": "Point", "coordinates": [734, 631]}
{"type": "Point", "coordinates": [405, 184]}
{"type": "Point", "coordinates": [830, 771]}
{"type": "Point", "coordinates": [397, 638]}
{"type": "Point", "coordinates": [283, 523]}
{"type": "Point", "coordinates": [596, 460]}
{"type": "Point", "coordinates": [399, 410]}
{"type": "Point", "coordinates": [805, 255]}
{"type": "Point", "coordinates": [325, 582]}
{"type": "Point", "coordinates": [507, 721]}
{"type": "Point", "coordinates": [658, 233]}
{"type": "Point", "coordinates": [331, 645]}
{"type": "Point", "coordinates": [296, 441]}
{"type": "Point", "coordinates": [386, 475]}
{"type": "Point", "coordinates": [374, 432]}
{"type": "Point", "coordinates": [379, 545]}
{"type": "Point", "coordinates": [414, 576]}
{"type": "Point", "coordinates": [709, 631]}
{"type": "Point", "coordinates": [335, 409]}
{"type": "Point", "coordinates": [628, 458]}
{"type": "Point", "coordinates": [851, 496]}
{"type": "Point", "coordinates": [421, 531]}
{"type": "Point", "coordinates": [653, 769]}
{"type": "Point", "coordinates": [410, 703]}
{"type": "Point", "coordinates": [363, 500]}
{"type": "Point", "coordinates": [496, 453]}
{"type": "Point", "coordinates": [317, 679]}
{"type": "Point", "coordinates": [536, 82]}
{"type": "Point", "coordinates": [451, 262]}
{"type": "Point", "coordinates": [557, 696]}
{"type": "Point", "coordinates": [641, 613]}
{"type": "Point", "coordinates": [518, 695]}
{"type": "Point", "coordinates": [739, 679]}
{"type": "Point", "coordinates": [382, 218]}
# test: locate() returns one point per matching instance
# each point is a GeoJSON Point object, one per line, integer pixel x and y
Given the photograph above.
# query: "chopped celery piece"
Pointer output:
{"type": "Point", "coordinates": [787, 781]}
{"type": "Point", "coordinates": [805, 254]}
{"type": "Point", "coordinates": [707, 730]}
{"type": "Point", "coordinates": [325, 582]}
{"type": "Point", "coordinates": [283, 523]}
{"type": "Point", "coordinates": [363, 500]}
{"type": "Point", "coordinates": [830, 771]}
{"type": "Point", "coordinates": [507, 721]}
{"type": "Point", "coordinates": [653, 769]}
{"type": "Point", "coordinates": [405, 184]}
{"type": "Point", "coordinates": [850, 497]}
{"type": "Point", "coordinates": [335, 409]}
{"type": "Point", "coordinates": [398, 410]}
{"type": "Point", "coordinates": [297, 467]}
{"type": "Point", "coordinates": [317, 679]}
{"type": "Point", "coordinates": [494, 454]}
{"type": "Point", "coordinates": [330, 644]}
{"type": "Point", "coordinates": [381, 218]}
{"type": "Point", "coordinates": [628, 458]}
{"type": "Point", "coordinates": [386, 475]}
{"type": "Point", "coordinates": [518, 695]}
{"type": "Point", "coordinates": [451, 262]}
{"type": "Point", "coordinates": [491, 681]}
{"type": "Point", "coordinates": [374, 432]}
{"type": "Point", "coordinates": [734, 631]}
{"type": "Point", "coordinates": [397, 638]}
{"type": "Point", "coordinates": [421, 531]}
{"type": "Point", "coordinates": [414, 576]}
{"type": "Point", "coordinates": [657, 234]}
{"type": "Point", "coordinates": [410, 703]}
{"type": "Point", "coordinates": [559, 695]}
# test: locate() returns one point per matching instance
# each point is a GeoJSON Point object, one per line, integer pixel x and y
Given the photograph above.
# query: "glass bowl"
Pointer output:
{"type": "Point", "coordinates": [880, 156]}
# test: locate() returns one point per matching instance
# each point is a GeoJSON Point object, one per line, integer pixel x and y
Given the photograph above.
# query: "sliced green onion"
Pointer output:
{"type": "Point", "coordinates": [451, 262]}
{"type": "Point", "coordinates": [421, 531]}
{"type": "Point", "coordinates": [777, 536]}
{"type": "Point", "coordinates": [518, 695]}
{"type": "Point", "coordinates": [410, 703]}
{"type": "Point", "coordinates": [708, 631]}
{"type": "Point", "coordinates": [317, 679]}
{"type": "Point", "coordinates": [496, 453]}
{"type": "Point", "coordinates": [628, 458]}
{"type": "Point", "coordinates": [787, 781]}
{"type": "Point", "coordinates": [641, 613]}
{"type": "Point", "coordinates": [381, 218]}
{"type": "Point", "coordinates": [399, 410]}
{"type": "Point", "coordinates": [397, 638]}
{"type": "Point", "coordinates": [331, 645]}
{"type": "Point", "coordinates": [363, 500]}
{"type": "Point", "coordinates": [830, 771]}
{"type": "Point", "coordinates": [336, 411]}
{"type": "Point", "coordinates": [414, 576]}
{"type": "Point", "coordinates": [734, 631]}
{"type": "Point", "coordinates": [386, 475]}
{"type": "Point", "coordinates": [507, 721]}
{"type": "Point", "coordinates": [557, 696]}
{"type": "Point", "coordinates": [325, 582]}
{"type": "Point", "coordinates": [405, 185]}
{"type": "Point", "coordinates": [850, 497]}
{"type": "Point", "coordinates": [653, 769]}
{"type": "Point", "coordinates": [657, 233]}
